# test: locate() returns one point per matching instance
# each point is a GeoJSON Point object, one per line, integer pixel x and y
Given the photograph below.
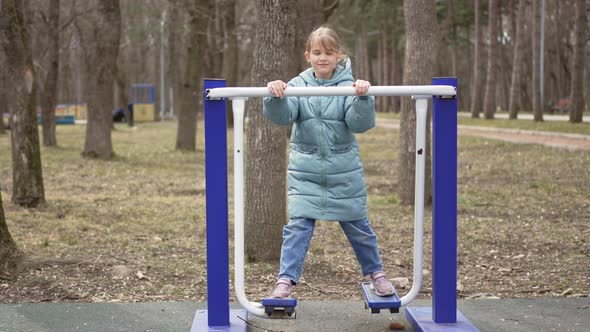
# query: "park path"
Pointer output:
{"type": "Point", "coordinates": [553, 139]}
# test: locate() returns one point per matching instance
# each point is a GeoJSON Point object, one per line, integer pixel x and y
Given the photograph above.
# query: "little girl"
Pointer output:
{"type": "Point", "coordinates": [325, 176]}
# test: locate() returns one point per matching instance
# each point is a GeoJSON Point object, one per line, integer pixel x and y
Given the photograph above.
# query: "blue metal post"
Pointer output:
{"type": "Point", "coordinates": [443, 316]}
{"type": "Point", "coordinates": [444, 206]}
{"type": "Point", "coordinates": [217, 216]}
{"type": "Point", "coordinates": [153, 94]}
{"type": "Point", "coordinates": [218, 316]}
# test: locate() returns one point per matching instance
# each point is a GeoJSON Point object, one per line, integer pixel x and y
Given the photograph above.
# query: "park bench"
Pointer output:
{"type": "Point", "coordinates": [561, 106]}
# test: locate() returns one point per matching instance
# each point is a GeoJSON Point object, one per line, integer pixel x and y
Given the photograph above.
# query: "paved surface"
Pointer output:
{"type": "Point", "coordinates": [545, 314]}
{"type": "Point", "coordinates": [528, 116]}
{"type": "Point", "coordinates": [553, 139]}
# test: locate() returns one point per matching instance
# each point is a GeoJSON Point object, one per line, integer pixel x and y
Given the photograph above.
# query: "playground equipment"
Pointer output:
{"type": "Point", "coordinates": [143, 97]}
{"type": "Point", "coordinates": [442, 316]}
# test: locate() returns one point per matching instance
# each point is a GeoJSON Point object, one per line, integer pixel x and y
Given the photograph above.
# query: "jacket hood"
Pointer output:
{"type": "Point", "coordinates": [342, 72]}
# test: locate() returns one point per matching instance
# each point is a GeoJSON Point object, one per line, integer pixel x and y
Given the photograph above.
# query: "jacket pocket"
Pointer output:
{"type": "Point", "coordinates": [304, 148]}
{"type": "Point", "coordinates": [341, 148]}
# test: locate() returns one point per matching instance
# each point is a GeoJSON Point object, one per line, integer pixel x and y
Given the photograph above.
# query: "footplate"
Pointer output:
{"type": "Point", "coordinates": [376, 303]}
{"type": "Point", "coordinates": [280, 308]}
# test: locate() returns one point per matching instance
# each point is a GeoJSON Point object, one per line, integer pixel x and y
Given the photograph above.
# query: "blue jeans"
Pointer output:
{"type": "Point", "coordinates": [297, 237]}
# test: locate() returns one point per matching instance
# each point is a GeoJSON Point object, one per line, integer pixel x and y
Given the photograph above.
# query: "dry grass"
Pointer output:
{"type": "Point", "coordinates": [524, 221]}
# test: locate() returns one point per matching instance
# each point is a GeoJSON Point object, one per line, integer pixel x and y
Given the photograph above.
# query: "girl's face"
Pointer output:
{"type": "Point", "coordinates": [322, 61]}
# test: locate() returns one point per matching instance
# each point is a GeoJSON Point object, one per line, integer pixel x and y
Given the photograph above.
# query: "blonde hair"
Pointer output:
{"type": "Point", "coordinates": [326, 38]}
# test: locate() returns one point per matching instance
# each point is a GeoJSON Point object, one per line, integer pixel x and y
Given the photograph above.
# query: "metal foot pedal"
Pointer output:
{"type": "Point", "coordinates": [280, 308]}
{"type": "Point", "coordinates": [376, 303]}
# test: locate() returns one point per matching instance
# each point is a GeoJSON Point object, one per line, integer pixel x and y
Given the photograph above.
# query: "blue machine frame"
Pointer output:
{"type": "Point", "coordinates": [442, 316]}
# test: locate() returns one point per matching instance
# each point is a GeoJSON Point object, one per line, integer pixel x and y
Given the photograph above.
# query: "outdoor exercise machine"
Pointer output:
{"type": "Point", "coordinates": [442, 316]}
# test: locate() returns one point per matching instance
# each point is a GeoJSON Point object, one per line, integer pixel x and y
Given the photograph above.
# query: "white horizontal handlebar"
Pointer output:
{"type": "Point", "coordinates": [393, 90]}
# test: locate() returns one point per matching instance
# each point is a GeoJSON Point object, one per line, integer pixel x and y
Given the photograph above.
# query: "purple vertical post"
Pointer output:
{"type": "Point", "coordinates": [443, 315]}
{"type": "Point", "coordinates": [444, 205]}
{"type": "Point", "coordinates": [217, 216]}
{"type": "Point", "coordinates": [217, 313]}
{"type": "Point", "coordinates": [218, 316]}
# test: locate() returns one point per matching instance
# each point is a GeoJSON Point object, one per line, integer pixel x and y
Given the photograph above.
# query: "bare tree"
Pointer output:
{"type": "Point", "coordinates": [186, 135]}
{"type": "Point", "coordinates": [230, 50]}
{"type": "Point", "coordinates": [3, 92]}
{"type": "Point", "coordinates": [102, 49]}
{"type": "Point", "coordinates": [27, 175]}
{"type": "Point", "coordinates": [577, 88]}
{"type": "Point", "coordinates": [395, 56]}
{"type": "Point", "coordinates": [518, 57]}
{"type": "Point", "coordinates": [49, 95]}
{"type": "Point", "coordinates": [421, 50]}
{"type": "Point", "coordinates": [173, 71]}
{"type": "Point", "coordinates": [266, 144]}
{"type": "Point", "coordinates": [9, 253]}
{"type": "Point", "coordinates": [536, 33]}
{"type": "Point", "coordinates": [311, 16]}
{"type": "Point", "coordinates": [489, 104]}
{"type": "Point", "coordinates": [477, 80]}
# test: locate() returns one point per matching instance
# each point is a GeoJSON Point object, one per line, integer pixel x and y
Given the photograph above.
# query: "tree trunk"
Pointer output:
{"type": "Point", "coordinates": [536, 33]}
{"type": "Point", "coordinates": [311, 16]}
{"type": "Point", "coordinates": [103, 49]}
{"type": "Point", "coordinates": [384, 72]}
{"type": "Point", "coordinates": [489, 105]}
{"type": "Point", "coordinates": [577, 88]}
{"type": "Point", "coordinates": [186, 136]}
{"type": "Point", "coordinates": [365, 50]}
{"type": "Point", "coordinates": [122, 88]}
{"type": "Point", "coordinates": [49, 97]}
{"type": "Point", "coordinates": [215, 42]}
{"type": "Point", "coordinates": [173, 65]}
{"type": "Point", "coordinates": [452, 38]}
{"type": "Point", "coordinates": [421, 47]}
{"type": "Point", "coordinates": [378, 66]}
{"type": "Point", "coordinates": [9, 253]}
{"type": "Point", "coordinates": [518, 58]}
{"type": "Point", "coordinates": [230, 52]}
{"type": "Point", "coordinates": [27, 175]}
{"type": "Point", "coordinates": [395, 58]}
{"type": "Point", "coordinates": [476, 96]}
{"type": "Point", "coordinates": [3, 90]}
{"type": "Point", "coordinates": [266, 166]}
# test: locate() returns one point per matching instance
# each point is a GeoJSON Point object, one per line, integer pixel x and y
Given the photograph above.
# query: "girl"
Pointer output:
{"type": "Point", "coordinates": [326, 178]}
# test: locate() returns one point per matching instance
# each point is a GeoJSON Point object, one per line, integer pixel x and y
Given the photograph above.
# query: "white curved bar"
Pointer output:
{"type": "Point", "coordinates": [393, 90]}
{"type": "Point", "coordinates": [238, 111]}
{"type": "Point", "coordinates": [238, 106]}
{"type": "Point", "coordinates": [421, 110]}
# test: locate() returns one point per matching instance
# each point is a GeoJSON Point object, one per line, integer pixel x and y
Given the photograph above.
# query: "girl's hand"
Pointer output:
{"type": "Point", "coordinates": [277, 88]}
{"type": "Point", "coordinates": [361, 87]}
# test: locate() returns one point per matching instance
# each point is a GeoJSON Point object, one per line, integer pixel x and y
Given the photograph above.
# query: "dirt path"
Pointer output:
{"type": "Point", "coordinates": [559, 140]}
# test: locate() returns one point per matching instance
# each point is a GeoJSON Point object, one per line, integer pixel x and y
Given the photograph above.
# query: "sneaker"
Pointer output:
{"type": "Point", "coordinates": [381, 285]}
{"type": "Point", "coordinates": [283, 289]}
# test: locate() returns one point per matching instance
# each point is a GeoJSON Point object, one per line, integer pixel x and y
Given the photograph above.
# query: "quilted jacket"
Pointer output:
{"type": "Point", "coordinates": [325, 175]}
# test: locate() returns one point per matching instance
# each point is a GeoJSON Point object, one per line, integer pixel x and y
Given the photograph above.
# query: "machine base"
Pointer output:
{"type": "Point", "coordinates": [421, 320]}
{"type": "Point", "coordinates": [237, 322]}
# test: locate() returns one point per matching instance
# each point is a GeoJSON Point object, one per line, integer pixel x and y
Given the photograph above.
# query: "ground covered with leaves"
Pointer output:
{"type": "Point", "coordinates": [133, 228]}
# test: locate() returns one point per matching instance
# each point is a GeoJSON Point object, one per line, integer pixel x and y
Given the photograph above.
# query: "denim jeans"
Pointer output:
{"type": "Point", "coordinates": [297, 237]}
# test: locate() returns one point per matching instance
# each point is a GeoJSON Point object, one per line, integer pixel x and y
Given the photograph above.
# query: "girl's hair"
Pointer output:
{"type": "Point", "coordinates": [326, 38]}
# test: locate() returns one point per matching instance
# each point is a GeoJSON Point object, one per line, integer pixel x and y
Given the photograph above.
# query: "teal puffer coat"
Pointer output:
{"type": "Point", "coordinates": [325, 175]}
